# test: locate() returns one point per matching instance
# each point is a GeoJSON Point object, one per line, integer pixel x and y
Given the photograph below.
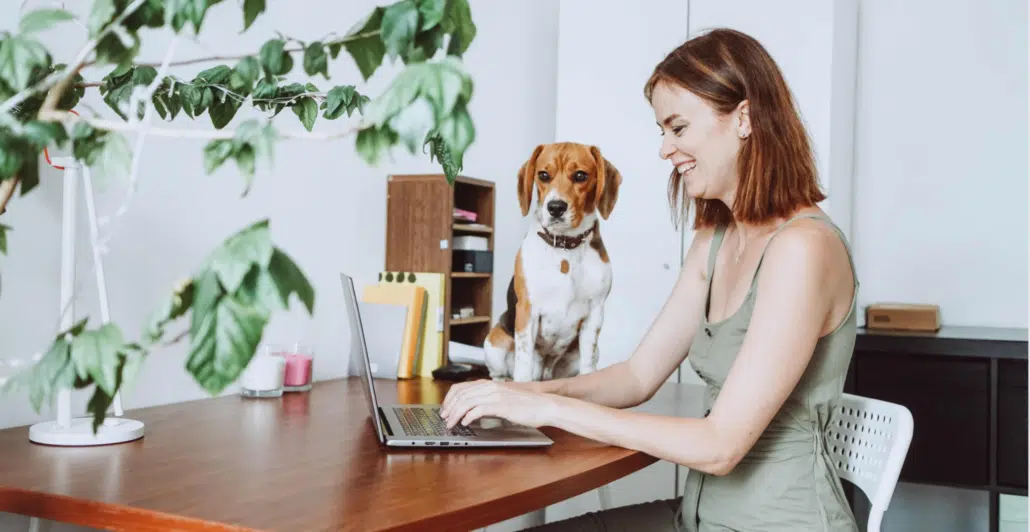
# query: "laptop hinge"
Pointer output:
{"type": "Point", "coordinates": [386, 424]}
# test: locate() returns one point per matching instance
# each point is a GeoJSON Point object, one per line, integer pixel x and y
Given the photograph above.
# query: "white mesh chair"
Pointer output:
{"type": "Point", "coordinates": [868, 440]}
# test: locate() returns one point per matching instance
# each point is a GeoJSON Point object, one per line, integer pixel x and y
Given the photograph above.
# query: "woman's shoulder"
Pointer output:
{"type": "Point", "coordinates": [809, 246]}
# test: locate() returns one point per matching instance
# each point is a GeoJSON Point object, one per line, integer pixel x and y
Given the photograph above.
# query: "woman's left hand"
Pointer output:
{"type": "Point", "coordinates": [468, 401]}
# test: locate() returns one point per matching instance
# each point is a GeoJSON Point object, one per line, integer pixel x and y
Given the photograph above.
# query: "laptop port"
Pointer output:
{"type": "Point", "coordinates": [430, 443]}
{"type": "Point", "coordinates": [444, 444]}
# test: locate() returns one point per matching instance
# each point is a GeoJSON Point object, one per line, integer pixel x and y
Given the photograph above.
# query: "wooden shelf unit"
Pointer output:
{"type": "Point", "coordinates": [420, 231]}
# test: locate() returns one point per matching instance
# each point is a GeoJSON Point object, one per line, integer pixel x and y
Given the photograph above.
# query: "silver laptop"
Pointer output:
{"type": "Point", "coordinates": [400, 425]}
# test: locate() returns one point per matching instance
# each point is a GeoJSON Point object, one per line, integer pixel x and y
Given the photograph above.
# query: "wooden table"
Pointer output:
{"type": "Point", "coordinates": [303, 462]}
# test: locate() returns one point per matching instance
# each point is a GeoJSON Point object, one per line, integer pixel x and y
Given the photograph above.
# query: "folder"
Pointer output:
{"type": "Point", "coordinates": [412, 297]}
{"type": "Point", "coordinates": [431, 355]}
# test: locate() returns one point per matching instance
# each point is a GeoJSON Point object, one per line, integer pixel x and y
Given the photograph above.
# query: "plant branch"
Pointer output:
{"type": "Point", "coordinates": [54, 96]}
{"type": "Point", "coordinates": [125, 127]}
{"type": "Point", "coordinates": [6, 191]}
{"type": "Point", "coordinates": [226, 58]}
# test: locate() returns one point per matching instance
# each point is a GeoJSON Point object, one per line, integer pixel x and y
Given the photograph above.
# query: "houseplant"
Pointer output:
{"type": "Point", "coordinates": [226, 302]}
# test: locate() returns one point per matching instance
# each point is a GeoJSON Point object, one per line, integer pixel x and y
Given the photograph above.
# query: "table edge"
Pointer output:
{"type": "Point", "coordinates": [121, 517]}
{"type": "Point", "coordinates": [101, 514]}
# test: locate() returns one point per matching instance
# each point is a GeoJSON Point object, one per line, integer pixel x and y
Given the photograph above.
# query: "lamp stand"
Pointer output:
{"type": "Point", "coordinates": [66, 430]}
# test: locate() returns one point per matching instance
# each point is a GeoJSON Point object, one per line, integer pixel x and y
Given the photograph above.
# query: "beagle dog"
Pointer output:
{"type": "Point", "coordinates": [562, 275]}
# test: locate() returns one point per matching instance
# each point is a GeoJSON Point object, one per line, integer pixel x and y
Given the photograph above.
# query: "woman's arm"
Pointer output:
{"type": "Point", "coordinates": [663, 348]}
{"type": "Point", "coordinates": [797, 286]}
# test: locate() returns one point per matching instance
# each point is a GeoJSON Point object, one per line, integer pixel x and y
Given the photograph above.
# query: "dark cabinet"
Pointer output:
{"type": "Point", "coordinates": [949, 400]}
{"type": "Point", "coordinates": [967, 390]}
{"type": "Point", "coordinates": [1012, 423]}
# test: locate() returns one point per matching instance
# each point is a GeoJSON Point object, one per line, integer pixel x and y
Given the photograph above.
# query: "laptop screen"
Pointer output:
{"type": "Point", "coordinates": [359, 361]}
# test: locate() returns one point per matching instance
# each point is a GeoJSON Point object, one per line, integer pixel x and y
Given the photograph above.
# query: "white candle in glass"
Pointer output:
{"type": "Point", "coordinates": [263, 376]}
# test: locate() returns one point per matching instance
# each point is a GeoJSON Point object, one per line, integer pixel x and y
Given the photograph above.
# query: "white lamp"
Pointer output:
{"type": "Point", "coordinates": [66, 430]}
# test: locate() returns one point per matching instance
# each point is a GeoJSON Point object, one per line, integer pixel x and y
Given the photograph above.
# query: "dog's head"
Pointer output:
{"type": "Point", "coordinates": [573, 183]}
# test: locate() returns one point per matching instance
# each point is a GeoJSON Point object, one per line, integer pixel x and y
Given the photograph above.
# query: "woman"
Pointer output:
{"type": "Point", "coordinates": [764, 307]}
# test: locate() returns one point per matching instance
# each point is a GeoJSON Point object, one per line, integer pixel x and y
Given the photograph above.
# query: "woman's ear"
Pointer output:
{"type": "Point", "coordinates": [744, 119]}
{"type": "Point", "coordinates": [606, 191]}
{"type": "Point", "coordinates": [526, 177]}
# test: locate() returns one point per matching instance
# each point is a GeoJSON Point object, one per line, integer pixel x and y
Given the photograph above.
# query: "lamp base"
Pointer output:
{"type": "Point", "coordinates": [80, 432]}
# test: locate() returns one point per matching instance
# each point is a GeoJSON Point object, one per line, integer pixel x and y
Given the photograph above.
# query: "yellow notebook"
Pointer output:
{"type": "Point", "coordinates": [414, 298]}
{"type": "Point", "coordinates": [432, 327]}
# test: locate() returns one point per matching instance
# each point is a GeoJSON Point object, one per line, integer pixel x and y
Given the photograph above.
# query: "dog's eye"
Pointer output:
{"type": "Point", "coordinates": [543, 176]}
{"type": "Point", "coordinates": [579, 176]}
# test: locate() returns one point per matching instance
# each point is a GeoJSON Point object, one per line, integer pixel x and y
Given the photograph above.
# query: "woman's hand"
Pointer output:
{"type": "Point", "coordinates": [468, 401]}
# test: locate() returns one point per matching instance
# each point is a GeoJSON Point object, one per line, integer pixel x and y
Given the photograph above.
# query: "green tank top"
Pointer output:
{"type": "Point", "coordinates": [786, 482]}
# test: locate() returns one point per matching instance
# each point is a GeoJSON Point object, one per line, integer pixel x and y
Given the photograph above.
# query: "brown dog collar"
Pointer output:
{"type": "Point", "coordinates": [564, 241]}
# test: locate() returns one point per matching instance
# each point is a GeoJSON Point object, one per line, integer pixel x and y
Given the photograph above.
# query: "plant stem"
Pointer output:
{"type": "Point", "coordinates": [6, 191]}
{"type": "Point", "coordinates": [54, 96]}
{"type": "Point", "coordinates": [125, 127]}
{"type": "Point", "coordinates": [226, 58]}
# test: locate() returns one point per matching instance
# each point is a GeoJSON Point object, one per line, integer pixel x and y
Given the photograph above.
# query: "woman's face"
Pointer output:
{"type": "Point", "coordinates": [701, 144]}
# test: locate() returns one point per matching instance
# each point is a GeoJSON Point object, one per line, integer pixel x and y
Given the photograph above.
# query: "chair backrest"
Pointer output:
{"type": "Point", "coordinates": [868, 440]}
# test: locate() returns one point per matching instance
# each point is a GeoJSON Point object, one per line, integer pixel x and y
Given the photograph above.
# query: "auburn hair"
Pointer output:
{"type": "Point", "coordinates": [776, 166]}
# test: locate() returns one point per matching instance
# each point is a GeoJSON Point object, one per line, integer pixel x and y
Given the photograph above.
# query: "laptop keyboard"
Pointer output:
{"type": "Point", "coordinates": [427, 422]}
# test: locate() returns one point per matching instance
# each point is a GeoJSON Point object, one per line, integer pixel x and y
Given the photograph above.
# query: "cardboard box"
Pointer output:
{"type": "Point", "coordinates": [903, 317]}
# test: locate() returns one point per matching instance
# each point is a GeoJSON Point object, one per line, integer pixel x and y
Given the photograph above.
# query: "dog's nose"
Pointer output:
{"type": "Point", "coordinates": [557, 207]}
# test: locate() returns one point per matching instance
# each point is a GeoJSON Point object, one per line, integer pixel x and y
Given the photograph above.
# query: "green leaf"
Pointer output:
{"type": "Point", "coordinates": [372, 142]}
{"type": "Point", "coordinates": [3, 238]}
{"type": "Point", "coordinates": [252, 245]}
{"type": "Point", "coordinates": [95, 355]}
{"type": "Point", "coordinates": [53, 372]}
{"type": "Point", "coordinates": [248, 69]}
{"type": "Point", "coordinates": [216, 75]}
{"type": "Point", "coordinates": [364, 44]}
{"type": "Point", "coordinates": [316, 60]}
{"type": "Point", "coordinates": [114, 157]}
{"type": "Point", "coordinates": [103, 12]}
{"type": "Point", "coordinates": [289, 279]}
{"type": "Point", "coordinates": [457, 130]}
{"type": "Point", "coordinates": [171, 309]}
{"type": "Point", "coordinates": [413, 123]}
{"type": "Point", "coordinates": [457, 21]}
{"type": "Point", "coordinates": [251, 10]}
{"type": "Point", "coordinates": [451, 165]}
{"type": "Point", "coordinates": [224, 343]}
{"type": "Point", "coordinates": [443, 83]}
{"type": "Point", "coordinates": [222, 112]}
{"type": "Point", "coordinates": [41, 19]}
{"type": "Point", "coordinates": [29, 174]}
{"type": "Point", "coordinates": [307, 110]}
{"type": "Point", "coordinates": [400, 20]}
{"type": "Point", "coordinates": [207, 292]}
{"type": "Point", "coordinates": [274, 60]}
{"type": "Point", "coordinates": [11, 155]}
{"type": "Point", "coordinates": [130, 369]}
{"type": "Point", "coordinates": [19, 56]}
{"type": "Point", "coordinates": [98, 405]}
{"type": "Point", "coordinates": [216, 153]}
{"type": "Point", "coordinates": [42, 134]}
{"type": "Point", "coordinates": [432, 12]}
{"type": "Point", "coordinates": [343, 99]}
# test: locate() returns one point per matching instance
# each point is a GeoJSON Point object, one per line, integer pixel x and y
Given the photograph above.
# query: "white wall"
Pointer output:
{"type": "Point", "coordinates": [327, 208]}
{"type": "Point", "coordinates": [601, 102]}
{"type": "Point", "coordinates": [940, 199]}
{"type": "Point", "coordinates": [940, 190]}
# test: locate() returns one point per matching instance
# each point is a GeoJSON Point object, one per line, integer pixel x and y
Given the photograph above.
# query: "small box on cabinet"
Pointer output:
{"type": "Point", "coordinates": [903, 317]}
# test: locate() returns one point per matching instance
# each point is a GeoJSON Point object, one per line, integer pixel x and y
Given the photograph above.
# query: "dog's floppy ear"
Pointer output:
{"type": "Point", "coordinates": [526, 178]}
{"type": "Point", "coordinates": [606, 191]}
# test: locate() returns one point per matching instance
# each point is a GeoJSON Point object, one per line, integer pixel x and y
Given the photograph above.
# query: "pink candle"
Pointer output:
{"type": "Point", "coordinates": [298, 372]}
